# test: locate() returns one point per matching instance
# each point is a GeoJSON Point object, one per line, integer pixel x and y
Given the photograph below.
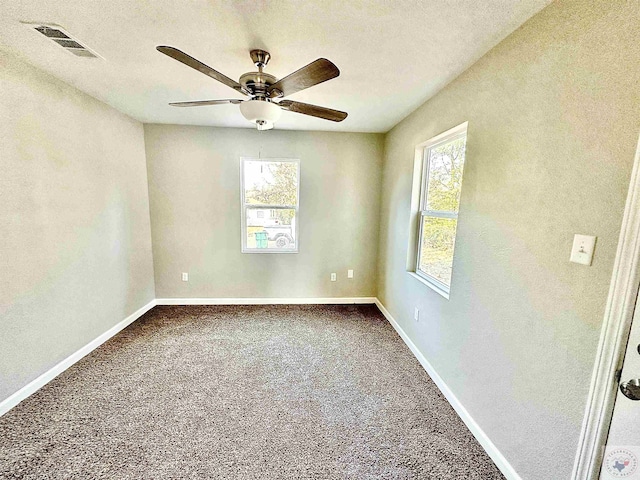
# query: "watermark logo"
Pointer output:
{"type": "Point", "coordinates": [621, 463]}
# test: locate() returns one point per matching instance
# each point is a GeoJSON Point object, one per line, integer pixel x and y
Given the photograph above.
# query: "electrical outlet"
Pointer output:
{"type": "Point", "coordinates": [185, 277]}
{"type": "Point", "coordinates": [349, 273]}
{"type": "Point", "coordinates": [416, 314]}
{"type": "Point", "coordinates": [334, 277]}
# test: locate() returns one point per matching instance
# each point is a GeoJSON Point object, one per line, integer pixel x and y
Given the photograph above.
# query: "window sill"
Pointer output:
{"type": "Point", "coordinates": [431, 285]}
{"type": "Point", "coordinates": [271, 250]}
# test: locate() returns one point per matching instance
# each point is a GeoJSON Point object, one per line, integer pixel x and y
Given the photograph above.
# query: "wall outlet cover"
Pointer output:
{"type": "Point", "coordinates": [582, 249]}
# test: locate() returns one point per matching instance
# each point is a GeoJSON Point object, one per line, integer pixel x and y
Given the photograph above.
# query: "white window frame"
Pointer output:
{"type": "Point", "coordinates": [244, 206]}
{"type": "Point", "coordinates": [422, 153]}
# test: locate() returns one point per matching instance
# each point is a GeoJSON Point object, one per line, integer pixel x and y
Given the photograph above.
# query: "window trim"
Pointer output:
{"type": "Point", "coordinates": [244, 206]}
{"type": "Point", "coordinates": [422, 169]}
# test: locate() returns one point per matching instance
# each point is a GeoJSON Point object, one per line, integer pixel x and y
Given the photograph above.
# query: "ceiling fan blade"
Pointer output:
{"type": "Point", "coordinates": [204, 103]}
{"type": "Point", "coordinates": [199, 66]}
{"type": "Point", "coordinates": [316, 72]}
{"type": "Point", "coordinates": [313, 110]}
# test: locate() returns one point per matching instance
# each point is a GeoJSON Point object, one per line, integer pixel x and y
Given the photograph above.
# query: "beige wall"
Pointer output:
{"type": "Point", "coordinates": [75, 249]}
{"type": "Point", "coordinates": [194, 189]}
{"type": "Point", "coordinates": [553, 125]}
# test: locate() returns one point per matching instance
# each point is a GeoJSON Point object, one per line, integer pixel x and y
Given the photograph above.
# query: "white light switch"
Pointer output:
{"type": "Point", "coordinates": [349, 273]}
{"type": "Point", "coordinates": [185, 277]}
{"type": "Point", "coordinates": [582, 250]}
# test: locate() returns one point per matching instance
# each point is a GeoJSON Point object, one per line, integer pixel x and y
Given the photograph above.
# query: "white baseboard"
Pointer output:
{"type": "Point", "coordinates": [266, 301]}
{"type": "Point", "coordinates": [497, 457]}
{"type": "Point", "coordinates": [49, 375]}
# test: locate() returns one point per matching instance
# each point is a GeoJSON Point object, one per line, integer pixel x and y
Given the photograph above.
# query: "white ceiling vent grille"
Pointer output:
{"type": "Point", "coordinates": [58, 35]}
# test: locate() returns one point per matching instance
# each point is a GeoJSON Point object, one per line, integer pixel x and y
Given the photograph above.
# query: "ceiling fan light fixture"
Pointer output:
{"type": "Point", "coordinates": [261, 112]}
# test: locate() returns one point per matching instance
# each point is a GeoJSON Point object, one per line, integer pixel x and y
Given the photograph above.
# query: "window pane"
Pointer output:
{"type": "Point", "coordinates": [271, 228]}
{"type": "Point", "coordinates": [270, 183]}
{"type": "Point", "coordinates": [436, 247]}
{"type": "Point", "coordinates": [446, 162]}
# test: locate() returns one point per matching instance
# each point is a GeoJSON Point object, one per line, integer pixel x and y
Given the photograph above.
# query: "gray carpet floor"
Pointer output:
{"type": "Point", "coordinates": [244, 392]}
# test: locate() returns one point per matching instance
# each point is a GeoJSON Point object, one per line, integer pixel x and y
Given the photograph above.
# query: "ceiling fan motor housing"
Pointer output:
{"type": "Point", "coordinates": [257, 83]}
{"type": "Point", "coordinates": [261, 112]}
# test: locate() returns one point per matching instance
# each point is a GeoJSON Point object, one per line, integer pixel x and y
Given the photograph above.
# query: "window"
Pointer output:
{"type": "Point", "coordinates": [442, 167]}
{"type": "Point", "coordinates": [270, 191]}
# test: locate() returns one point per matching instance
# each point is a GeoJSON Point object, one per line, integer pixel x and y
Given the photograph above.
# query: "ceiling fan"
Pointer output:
{"type": "Point", "coordinates": [265, 92]}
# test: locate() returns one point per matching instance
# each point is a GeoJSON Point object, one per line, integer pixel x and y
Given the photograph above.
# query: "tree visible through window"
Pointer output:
{"type": "Point", "coordinates": [270, 205]}
{"type": "Point", "coordinates": [442, 168]}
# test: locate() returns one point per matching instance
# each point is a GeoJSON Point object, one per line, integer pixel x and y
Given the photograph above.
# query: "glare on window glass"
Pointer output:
{"type": "Point", "coordinates": [436, 252]}
{"type": "Point", "coordinates": [270, 183]}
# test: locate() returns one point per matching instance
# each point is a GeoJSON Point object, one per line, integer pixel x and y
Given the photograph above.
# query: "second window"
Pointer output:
{"type": "Point", "coordinates": [443, 164]}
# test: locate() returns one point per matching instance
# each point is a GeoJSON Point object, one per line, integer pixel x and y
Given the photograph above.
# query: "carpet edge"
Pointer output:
{"type": "Point", "coordinates": [483, 439]}
{"type": "Point", "coordinates": [35, 385]}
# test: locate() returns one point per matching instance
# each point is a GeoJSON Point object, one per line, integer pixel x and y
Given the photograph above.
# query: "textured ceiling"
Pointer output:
{"type": "Point", "coordinates": [393, 55]}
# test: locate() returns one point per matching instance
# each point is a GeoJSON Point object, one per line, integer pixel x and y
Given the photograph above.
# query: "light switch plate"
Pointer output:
{"type": "Point", "coordinates": [582, 250]}
{"type": "Point", "coordinates": [349, 273]}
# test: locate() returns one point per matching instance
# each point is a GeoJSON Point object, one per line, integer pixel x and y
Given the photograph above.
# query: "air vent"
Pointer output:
{"type": "Point", "coordinates": [57, 34]}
